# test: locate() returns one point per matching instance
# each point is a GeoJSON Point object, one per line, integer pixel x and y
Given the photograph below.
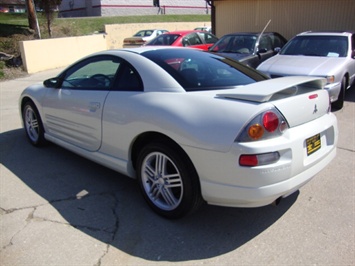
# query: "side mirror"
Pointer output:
{"type": "Point", "coordinates": [52, 83]}
{"type": "Point", "coordinates": [353, 54]}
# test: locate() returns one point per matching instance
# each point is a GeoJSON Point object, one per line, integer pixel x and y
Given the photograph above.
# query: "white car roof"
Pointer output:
{"type": "Point", "coordinates": [325, 33]}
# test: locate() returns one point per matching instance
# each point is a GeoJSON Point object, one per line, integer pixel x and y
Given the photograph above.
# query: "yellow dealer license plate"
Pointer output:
{"type": "Point", "coordinates": [313, 144]}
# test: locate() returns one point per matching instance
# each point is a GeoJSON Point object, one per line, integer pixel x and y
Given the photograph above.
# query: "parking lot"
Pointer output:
{"type": "Point", "coordinates": [57, 208]}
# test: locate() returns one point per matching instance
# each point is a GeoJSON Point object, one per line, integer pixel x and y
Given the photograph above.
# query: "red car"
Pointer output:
{"type": "Point", "coordinates": [191, 38]}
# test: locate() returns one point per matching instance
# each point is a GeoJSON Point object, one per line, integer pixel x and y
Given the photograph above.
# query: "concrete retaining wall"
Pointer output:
{"type": "Point", "coordinates": [40, 55]}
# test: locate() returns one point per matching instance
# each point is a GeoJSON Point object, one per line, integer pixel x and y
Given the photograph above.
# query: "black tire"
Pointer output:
{"type": "Point", "coordinates": [168, 181]}
{"type": "Point", "coordinates": [33, 124]}
{"type": "Point", "coordinates": [338, 104]}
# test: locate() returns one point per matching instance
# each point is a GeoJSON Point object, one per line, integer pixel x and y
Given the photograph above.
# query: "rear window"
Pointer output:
{"type": "Point", "coordinates": [324, 46]}
{"type": "Point", "coordinates": [196, 70]}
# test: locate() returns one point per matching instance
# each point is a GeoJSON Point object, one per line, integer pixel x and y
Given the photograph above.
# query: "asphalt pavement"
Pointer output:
{"type": "Point", "coordinates": [57, 208]}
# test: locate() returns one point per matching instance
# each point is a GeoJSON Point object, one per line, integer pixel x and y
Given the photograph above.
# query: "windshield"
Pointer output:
{"type": "Point", "coordinates": [243, 44]}
{"type": "Point", "coordinates": [197, 70]}
{"type": "Point", "coordinates": [327, 46]}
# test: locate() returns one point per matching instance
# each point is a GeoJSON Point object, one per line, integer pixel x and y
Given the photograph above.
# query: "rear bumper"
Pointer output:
{"type": "Point", "coordinates": [225, 183]}
{"type": "Point", "coordinates": [234, 196]}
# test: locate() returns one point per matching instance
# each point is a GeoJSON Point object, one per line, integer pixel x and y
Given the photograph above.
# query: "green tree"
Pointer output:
{"type": "Point", "coordinates": [49, 7]}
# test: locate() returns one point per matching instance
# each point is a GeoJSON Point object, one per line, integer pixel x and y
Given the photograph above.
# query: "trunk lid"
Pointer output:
{"type": "Point", "coordinates": [137, 41]}
{"type": "Point", "coordinates": [299, 99]}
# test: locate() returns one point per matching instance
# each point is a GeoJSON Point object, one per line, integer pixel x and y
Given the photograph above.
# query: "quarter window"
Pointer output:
{"type": "Point", "coordinates": [129, 79]}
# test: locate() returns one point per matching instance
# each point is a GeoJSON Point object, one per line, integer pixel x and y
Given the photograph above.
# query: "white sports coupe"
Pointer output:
{"type": "Point", "coordinates": [191, 126]}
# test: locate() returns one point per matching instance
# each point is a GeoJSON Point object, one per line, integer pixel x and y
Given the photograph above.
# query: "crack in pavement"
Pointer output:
{"type": "Point", "coordinates": [31, 217]}
{"type": "Point", "coordinates": [114, 234]}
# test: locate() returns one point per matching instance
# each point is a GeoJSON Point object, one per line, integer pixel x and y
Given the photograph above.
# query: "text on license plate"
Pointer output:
{"type": "Point", "coordinates": [313, 144]}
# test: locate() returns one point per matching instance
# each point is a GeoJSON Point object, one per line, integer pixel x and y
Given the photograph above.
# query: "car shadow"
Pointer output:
{"type": "Point", "coordinates": [108, 206]}
{"type": "Point", "coordinates": [349, 97]}
{"type": "Point", "coordinates": [350, 94]}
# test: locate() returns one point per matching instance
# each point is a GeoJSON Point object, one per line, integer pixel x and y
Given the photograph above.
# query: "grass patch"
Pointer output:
{"type": "Point", "coordinates": [18, 23]}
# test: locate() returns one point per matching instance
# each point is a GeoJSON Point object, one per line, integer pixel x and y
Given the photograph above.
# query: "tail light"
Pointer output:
{"type": "Point", "coordinates": [258, 159]}
{"type": "Point", "coordinates": [270, 121]}
{"type": "Point", "coordinates": [268, 124]}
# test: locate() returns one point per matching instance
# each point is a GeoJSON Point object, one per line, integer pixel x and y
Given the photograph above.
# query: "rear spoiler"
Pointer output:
{"type": "Point", "coordinates": [274, 89]}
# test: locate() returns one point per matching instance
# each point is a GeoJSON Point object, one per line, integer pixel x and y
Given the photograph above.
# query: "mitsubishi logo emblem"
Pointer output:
{"type": "Point", "coordinates": [315, 109]}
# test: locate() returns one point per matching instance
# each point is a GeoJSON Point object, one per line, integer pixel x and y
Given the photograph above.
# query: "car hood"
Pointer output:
{"type": "Point", "coordinates": [300, 65]}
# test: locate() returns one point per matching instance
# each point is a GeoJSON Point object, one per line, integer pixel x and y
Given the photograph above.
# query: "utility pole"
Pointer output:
{"type": "Point", "coordinates": [32, 17]}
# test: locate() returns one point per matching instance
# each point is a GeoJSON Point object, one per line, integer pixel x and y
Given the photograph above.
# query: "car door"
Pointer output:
{"type": "Point", "coordinates": [193, 40]}
{"type": "Point", "coordinates": [208, 38]}
{"type": "Point", "coordinates": [73, 112]}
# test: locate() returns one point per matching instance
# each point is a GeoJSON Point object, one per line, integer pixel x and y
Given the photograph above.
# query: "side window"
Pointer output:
{"type": "Point", "coordinates": [193, 39]}
{"type": "Point", "coordinates": [277, 42]}
{"type": "Point", "coordinates": [265, 43]}
{"type": "Point", "coordinates": [148, 33]}
{"type": "Point", "coordinates": [95, 73]}
{"type": "Point", "coordinates": [129, 79]}
{"type": "Point", "coordinates": [161, 32]}
{"type": "Point", "coordinates": [209, 38]}
{"type": "Point", "coordinates": [353, 42]}
{"type": "Point", "coordinates": [185, 42]}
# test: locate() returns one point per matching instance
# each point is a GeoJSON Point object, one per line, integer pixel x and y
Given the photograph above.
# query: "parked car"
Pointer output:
{"type": "Point", "coordinates": [192, 38]}
{"type": "Point", "coordinates": [249, 48]}
{"type": "Point", "coordinates": [324, 54]}
{"type": "Point", "coordinates": [204, 28]}
{"type": "Point", "coordinates": [142, 37]}
{"type": "Point", "coordinates": [191, 126]}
